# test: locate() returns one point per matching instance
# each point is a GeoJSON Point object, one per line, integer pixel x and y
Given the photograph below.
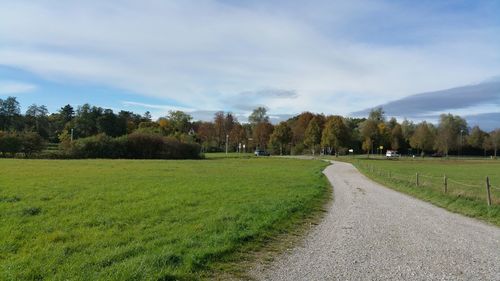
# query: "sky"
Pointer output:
{"type": "Point", "coordinates": [331, 57]}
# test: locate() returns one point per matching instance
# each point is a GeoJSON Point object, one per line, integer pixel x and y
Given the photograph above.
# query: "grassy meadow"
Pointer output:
{"type": "Point", "coordinates": [147, 220]}
{"type": "Point", "coordinates": [466, 188]}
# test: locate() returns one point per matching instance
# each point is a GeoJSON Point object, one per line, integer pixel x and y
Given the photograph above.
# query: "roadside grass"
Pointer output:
{"type": "Point", "coordinates": [148, 220]}
{"type": "Point", "coordinates": [466, 188]}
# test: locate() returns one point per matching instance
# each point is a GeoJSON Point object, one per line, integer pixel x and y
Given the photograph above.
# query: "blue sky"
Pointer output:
{"type": "Point", "coordinates": [334, 57]}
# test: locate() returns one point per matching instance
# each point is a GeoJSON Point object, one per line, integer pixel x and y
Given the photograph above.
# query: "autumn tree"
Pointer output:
{"type": "Point", "coordinates": [299, 125]}
{"type": "Point", "coordinates": [259, 115]}
{"type": "Point", "coordinates": [179, 121]}
{"type": "Point", "coordinates": [220, 133]}
{"type": "Point", "coordinates": [261, 134]}
{"type": "Point", "coordinates": [206, 134]}
{"type": "Point", "coordinates": [423, 138]}
{"type": "Point", "coordinates": [312, 136]}
{"type": "Point", "coordinates": [335, 134]}
{"type": "Point", "coordinates": [237, 136]}
{"type": "Point", "coordinates": [476, 138]}
{"type": "Point", "coordinates": [374, 130]}
{"type": "Point", "coordinates": [449, 132]}
{"type": "Point", "coordinates": [397, 139]}
{"type": "Point", "coordinates": [368, 131]}
{"type": "Point", "coordinates": [165, 126]}
{"type": "Point", "coordinates": [281, 136]}
{"type": "Point", "coordinates": [492, 142]}
{"type": "Point", "coordinates": [407, 128]}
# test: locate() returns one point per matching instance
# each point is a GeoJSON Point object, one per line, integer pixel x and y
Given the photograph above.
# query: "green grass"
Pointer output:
{"type": "Point", "coordinates": [147, 220]}
{"type": "Point", "coordinates": [466, 192]}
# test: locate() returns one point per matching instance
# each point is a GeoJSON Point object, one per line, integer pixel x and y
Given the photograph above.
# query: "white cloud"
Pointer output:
{"type": "Point", "coordinates": [204, 53]}
{"type": "Point", "coordinates": [15, 87]}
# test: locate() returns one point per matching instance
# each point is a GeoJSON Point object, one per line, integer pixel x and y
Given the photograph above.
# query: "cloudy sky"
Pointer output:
{"type": "Point", "coordinates": [334, 57]}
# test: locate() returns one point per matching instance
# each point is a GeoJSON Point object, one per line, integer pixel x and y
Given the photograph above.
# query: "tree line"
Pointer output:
{"type": "Point", "coordinates": [86, 128]}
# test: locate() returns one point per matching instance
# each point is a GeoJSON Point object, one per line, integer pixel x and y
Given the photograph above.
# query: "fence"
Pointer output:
{"type": "Point", "coordinates": [449, 186]}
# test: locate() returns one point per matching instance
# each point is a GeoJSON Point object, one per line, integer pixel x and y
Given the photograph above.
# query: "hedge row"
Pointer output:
{"type": "Point", "coordinates": [28, 143]}
{"type": "Point", "coordinates": [133, 146]}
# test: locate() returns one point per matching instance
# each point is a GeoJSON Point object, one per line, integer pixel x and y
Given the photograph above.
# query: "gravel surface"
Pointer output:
{"type": "Point", "coordinates": [374, 233]}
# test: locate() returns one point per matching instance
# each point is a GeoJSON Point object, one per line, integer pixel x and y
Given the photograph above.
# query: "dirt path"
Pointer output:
{"type": "Point", "coordinates": [374, 233]}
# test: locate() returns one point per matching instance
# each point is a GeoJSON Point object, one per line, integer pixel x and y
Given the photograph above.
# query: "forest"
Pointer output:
{"type": "Point", "coordinates": [94, 132]}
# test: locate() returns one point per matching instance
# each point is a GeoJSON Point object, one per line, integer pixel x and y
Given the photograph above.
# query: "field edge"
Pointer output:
{"type": "Point", "coordinates": [287, 234]}
{"type": "Point", "coordinates": [462, 206]}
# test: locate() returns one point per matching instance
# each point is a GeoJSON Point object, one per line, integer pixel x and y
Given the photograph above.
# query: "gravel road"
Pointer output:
{"type": "Point", "coordinates": [374, 233]}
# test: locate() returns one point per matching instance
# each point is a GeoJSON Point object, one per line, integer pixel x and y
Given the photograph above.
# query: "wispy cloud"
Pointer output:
{"type": "Point", "coordinates": [479, 104]}
{"type": "Point", "coordinates": [15, 87]}
{"type": "Point", "coordinates": [466, 97]}
{"type": "Point", "coordinates": [203, 54]}
{"type": "Point", "coordinates": [164, 108]}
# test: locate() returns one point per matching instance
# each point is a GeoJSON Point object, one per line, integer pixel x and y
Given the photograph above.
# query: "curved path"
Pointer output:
{"type": "Point", "coordinates": [374, 233]}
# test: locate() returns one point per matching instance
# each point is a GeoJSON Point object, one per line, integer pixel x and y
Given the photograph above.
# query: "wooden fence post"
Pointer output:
{"type": "Point", "coordinates": [445, 184]}
{"type": "Point", "coordinates": [417, 180]}
{"type": "Point", "coordinates": [488, 193]}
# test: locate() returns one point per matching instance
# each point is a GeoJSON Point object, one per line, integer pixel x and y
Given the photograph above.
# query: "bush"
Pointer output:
{"type": "Point", "coordinates": [144, 146]}
{"type": "Point", "coordinates": [31, 143]}
{"type": "Point", "coordinates": [174, 149]}
{"type": "Point", "coordinates": [98, 146]}
{"type": "Point", "coordinates": [138, 145]}
{"type": "Point", "coordinates": [298, 149]}
{"type": "Point", "coordinates": [10, 143]}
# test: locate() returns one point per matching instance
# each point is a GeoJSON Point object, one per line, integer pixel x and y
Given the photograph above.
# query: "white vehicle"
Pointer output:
{"type": "Point", "coordinates": [392, 154]}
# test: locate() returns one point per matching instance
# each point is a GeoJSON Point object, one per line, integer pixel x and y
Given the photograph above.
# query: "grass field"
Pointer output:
{"type": "Point", "coordinates": [466, 189]}
{"type": "Point", "coordinates": [147, 220]}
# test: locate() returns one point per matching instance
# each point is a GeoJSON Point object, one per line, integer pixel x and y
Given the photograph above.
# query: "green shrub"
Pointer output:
{"type": "Point", "coordinates": [98, 146]}
{"type": "Point", "coordinates": [138, 145]}
{"type": "Point", "coordinates": [31, 143]}
{"type": "Point", "coordinates": [144, 146]}
{"type": "Point", "coordinates": [10, 143]}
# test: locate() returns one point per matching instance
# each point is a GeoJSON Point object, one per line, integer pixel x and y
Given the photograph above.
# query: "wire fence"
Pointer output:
{"type": "Point", "coordinates": [484, 191]}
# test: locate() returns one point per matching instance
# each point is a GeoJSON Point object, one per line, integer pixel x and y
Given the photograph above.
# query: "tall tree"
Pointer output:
{"type": "Point", "coordinates": [377, 114]}
{"type": "Point", "coordinates": [147, 116]}
{"type": "Point", "coordinates": [237, 135]}
{"type": "Point", "coordinates": [206, 133]}
{"type": "Point", "coordinates": [423, 138]}
{"type": "Point", "coordinates": [37, 119]}
{"type": "Point", "coordinates": [281, 136]}
{"type": "Point", "coordinates": [369, 131]}
{"type": "Point", "coordinates": [262, 133]}
{"type": "Point", "coordinates": [220, 132]}
{"type": "Point", "coordinates": [180, 121]}
{"type": "Point", "coordinates": [67, 113]}
{"type": "Point", "coordinates": [85, 122]}
{"type": "Point", "coordinates": [229, 122]}
{"type": "Point", "coordinates": [397, 139]}
{"type": "Point", "coordinates": [476, 137]}
{"type": "Point", "coordinates": [450, 130]}
{"type": "Point", "coordinates": [335, 134]}
{"type": "Point", "coordinates": [492, 142]}
{"type": "Point", "coordinates": [374, 130]}
{"type": "Point", "coordinates": [259, 115]}
{"type": "Point", "coordinates": [312, 138]}
{"type": "Point", "coordinates": [10, 110]}
{"type": "Point", "coordinates": [109, 124]}
{"type": "Point", "coordinates": [407, 128]}
{"type": "Point", "coordinates": [299, 125]}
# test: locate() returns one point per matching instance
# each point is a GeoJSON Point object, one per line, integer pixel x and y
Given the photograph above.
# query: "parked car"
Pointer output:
{"type": "Point", "coordinates": [392, 154]}
{"type": "Point", "coordinates": [437, 154]}
{"type": "Point", "coordinates": [260, 152]}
